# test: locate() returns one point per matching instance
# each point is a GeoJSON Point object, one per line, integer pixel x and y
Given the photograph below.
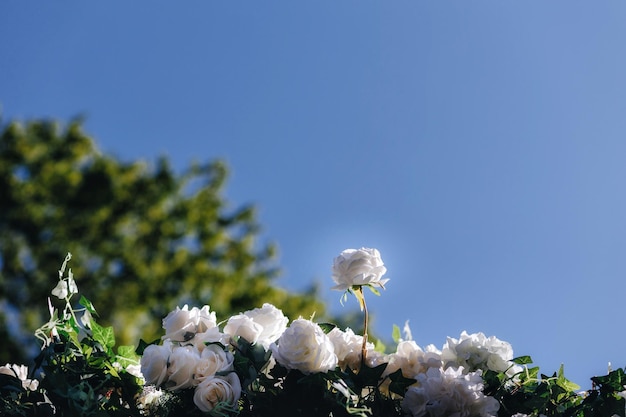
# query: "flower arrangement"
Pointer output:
{"type": "Point", "coordinates": [258, 364]}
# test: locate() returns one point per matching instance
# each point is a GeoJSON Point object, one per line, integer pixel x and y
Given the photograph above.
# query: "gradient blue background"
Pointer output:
{"type": "Point", "coordinates": [479, 145]}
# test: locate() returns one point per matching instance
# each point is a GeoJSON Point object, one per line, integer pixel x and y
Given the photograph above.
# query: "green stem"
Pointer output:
{"type": "Point", "coordinates": [365, 318]}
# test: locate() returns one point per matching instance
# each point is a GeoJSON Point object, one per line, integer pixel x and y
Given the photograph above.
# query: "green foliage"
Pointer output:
{"type": "Point", "coordinates": [147, 239]}
{"type": "Point", "coordinates": [555, 396]}
{"type": "Point", "coordinates": [82, 372]}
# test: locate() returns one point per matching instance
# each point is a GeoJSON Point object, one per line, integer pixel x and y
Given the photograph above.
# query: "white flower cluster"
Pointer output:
{"type": "Point", "coordinates": [195, 353]}
{"type": "Point", "coordinates": [447, 384]}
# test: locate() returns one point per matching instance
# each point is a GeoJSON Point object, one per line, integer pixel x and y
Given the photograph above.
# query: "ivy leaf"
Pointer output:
{"type": "Point", "coordinates": [614, 381]}
{"type": "Point", "coordinates": [126, 356]}
{"type": "Point", "coordinates": [564, 382]}
{"type": "Point", "coordinates": [103, 335]}
{"type": "Point", "coordinates": [143, 345]}
{"type": "Point", "coordinates": [533, 372]}
{"type": "Point", "coordinates": [369, 377]}
{"type": "Point", "coordinates": [523, 360]}
{"type": "Point", "coordinates": [399, 383]}
{"type": "Point", "coordinates": [87, 304]}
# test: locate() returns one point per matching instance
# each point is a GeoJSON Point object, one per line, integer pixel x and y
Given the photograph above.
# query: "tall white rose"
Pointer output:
{"type": "Point", "coordinates": [358, 267]}
{"type": "Point", "coordinates": [181, 368]}
{"type": "Point", "coordinates": [154, 363]}
{"type": "Point", "coordinates": [218, 389]}
{"type": "Point", "coordinates": [305, 347]}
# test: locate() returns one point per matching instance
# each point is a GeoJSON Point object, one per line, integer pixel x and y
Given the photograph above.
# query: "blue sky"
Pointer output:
{"type": "Point", "coordinates": [479, 145]}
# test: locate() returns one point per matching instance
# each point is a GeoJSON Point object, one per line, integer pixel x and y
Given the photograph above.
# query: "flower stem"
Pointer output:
{"type": "Point", "coordinates": [361, 298]}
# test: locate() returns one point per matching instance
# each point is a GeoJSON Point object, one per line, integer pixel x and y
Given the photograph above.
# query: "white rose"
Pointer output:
{"type": "Point", "coordinates": [213, 359]}
{"type": "Point", "coordinates": [305, 347]}
{"type": "Point", "coordinates": [241, 325]}
{"type": "Point", "coordinates": [358, 267]}
{"type": "Point", "coordinates": [412, 359]}
{"type": "Point", "coordinates": [20, 372]}
{"type": "Point", "coordinates": [347, 346]}
{"type": "Point", "coordinates": [219, 389]}
{"type": "Point", "coordinates": [181, 325]}
{"type": "Point", "coordinates": [476, 351]}
{"type": "Point", "coordinates": [452, 392]}
{"type": "Point", "coordinates": [272, 321]}
{"type": "Point", "coordinates": [154, 363]}
{"type": "Point", "coordinates": [181, 368]}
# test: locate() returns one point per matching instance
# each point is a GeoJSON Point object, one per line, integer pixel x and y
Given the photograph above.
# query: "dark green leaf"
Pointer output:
{"type": "Point", "coordinates": [399, 383]}
{"type": "Point", "coordinates": [327, 327]}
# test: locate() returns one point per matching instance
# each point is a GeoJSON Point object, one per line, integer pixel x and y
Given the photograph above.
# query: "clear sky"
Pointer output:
{"type": "Point", "coordinates": [479, 145]}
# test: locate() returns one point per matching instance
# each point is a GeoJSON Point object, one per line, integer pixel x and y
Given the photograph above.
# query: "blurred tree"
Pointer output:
{"type": "Point", "coordinates": [143, 240]}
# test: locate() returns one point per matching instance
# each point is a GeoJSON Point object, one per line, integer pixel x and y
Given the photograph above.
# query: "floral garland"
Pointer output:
{"type": "Point", "coordinates": [258, 364]}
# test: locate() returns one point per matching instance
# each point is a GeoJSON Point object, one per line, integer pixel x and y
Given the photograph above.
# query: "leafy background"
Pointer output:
{"type": "Point", "coordinates": [479, 145]}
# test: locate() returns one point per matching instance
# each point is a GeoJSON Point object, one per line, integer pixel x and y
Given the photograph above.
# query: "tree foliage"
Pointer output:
{"type": "Point", "coordinates": [145, 238]}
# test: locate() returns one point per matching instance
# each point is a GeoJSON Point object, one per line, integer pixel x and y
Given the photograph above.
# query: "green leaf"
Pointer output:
{"type": "Point", "coordinates": [143, 345]}
{"type": "Point", "coordinates": [523, 360]}
{"type": "Point", "coordinates": [564, 382]}
{"type": "Point", "coordinates": [373, 290]}
{"type": "Point", "coordinates": [379, 346]}
{"type": "Point", "coordinates": [369, 377]}
{"type": "Point", "coordinates": [396, 335]}
{"type": "Point", "coordinates": [88, 305]}
{"type": "Point", "coordinates": [327, 327]}
{"type": "Point", "coordinates": [126, 356]}
{"type": "Point", "coordinates": [399, 383]}
{"type": "Point", "coordinates": [103, 335]}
